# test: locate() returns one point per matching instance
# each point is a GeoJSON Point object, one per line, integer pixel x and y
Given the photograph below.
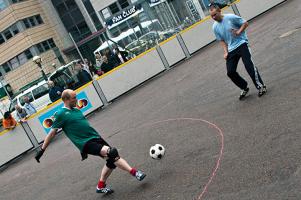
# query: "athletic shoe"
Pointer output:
{"type": "Point", "coordinates": [262, 91]}
{"type": "Point", "coordinates": [104, 190]}
{"type": "Point", "coordinates": [140, 175]}
{"type": "Point", "coordinates": [243, 93]}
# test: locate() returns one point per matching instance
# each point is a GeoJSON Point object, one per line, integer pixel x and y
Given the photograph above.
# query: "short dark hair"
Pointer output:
{"type": "Point", "coordinates": [6, 114]}
{"type": "Point", "coordinates": [214, 5]}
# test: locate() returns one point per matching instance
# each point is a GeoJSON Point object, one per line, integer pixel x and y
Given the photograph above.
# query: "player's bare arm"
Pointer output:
{"type": "Point", "coordinates": [225, 48]}
{"type": "Point", "coordinates": [48, 138]}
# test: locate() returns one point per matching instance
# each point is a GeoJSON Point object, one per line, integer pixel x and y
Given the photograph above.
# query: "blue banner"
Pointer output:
{"type": "Point", "coordinates": [47, 118]}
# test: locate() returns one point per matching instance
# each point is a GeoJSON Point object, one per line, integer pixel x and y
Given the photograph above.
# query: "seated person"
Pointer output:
{"type": "Point", "coordinates": [21, 114]}
{"type": "Point", "coordinates": [8, 121]}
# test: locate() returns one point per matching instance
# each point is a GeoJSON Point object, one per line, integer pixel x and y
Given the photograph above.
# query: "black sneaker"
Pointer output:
{"type": "Point", "coordinates": [262, 91]}
{"type": "Point", "coordinates": [140, 175]}
{"type": "Point", "coordinates": [104, 190]}
{"type": "Point", "coordinates": [243, 93]}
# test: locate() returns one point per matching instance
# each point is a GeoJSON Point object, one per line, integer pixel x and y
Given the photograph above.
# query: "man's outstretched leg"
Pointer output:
{"type": "Point", "coordinates": [113, 160]}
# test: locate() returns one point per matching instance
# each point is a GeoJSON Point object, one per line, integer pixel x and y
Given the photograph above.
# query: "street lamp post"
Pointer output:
{"type": "Point", "coordinates": [38, 60]}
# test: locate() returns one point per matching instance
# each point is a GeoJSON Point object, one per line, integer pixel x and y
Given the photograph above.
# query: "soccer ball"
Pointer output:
{"type": "Point", "coordinates": [157, 151]}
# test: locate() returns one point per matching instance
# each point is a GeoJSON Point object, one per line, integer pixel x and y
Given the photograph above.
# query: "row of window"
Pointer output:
{"type": "Point", "coordinates": [26, 55]}
{"type": "Point", "coordinates": [32, 21]}
{"type": "Point", "coordinates": [72, 18]}
{"type": "Point", "coordinates": [115, 8]}
{"type": "Point", "coordinates": [14, 30]}
{"type": "Point", "coordinates": [9, 33]}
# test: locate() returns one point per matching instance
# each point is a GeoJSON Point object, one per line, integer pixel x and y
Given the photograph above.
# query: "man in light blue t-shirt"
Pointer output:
{"type": "Point", "coordinates": [229, 29]}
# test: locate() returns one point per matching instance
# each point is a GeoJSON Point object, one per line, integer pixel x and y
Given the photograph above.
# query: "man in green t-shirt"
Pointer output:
{"type": "Point", "coordinates": [87, 140]}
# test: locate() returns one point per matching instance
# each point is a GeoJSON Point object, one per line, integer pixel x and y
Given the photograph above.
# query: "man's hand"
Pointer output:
{"type": "Point", "coordinates": [39, 155]}
{"type": "Point", "coordinates": [236, 32]}
{"type": "Point", "coordinates": [225, 55]}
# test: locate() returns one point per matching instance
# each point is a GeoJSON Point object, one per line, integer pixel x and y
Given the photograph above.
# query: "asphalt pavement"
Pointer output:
{"type": "Point", "coordinates": [217, 147]}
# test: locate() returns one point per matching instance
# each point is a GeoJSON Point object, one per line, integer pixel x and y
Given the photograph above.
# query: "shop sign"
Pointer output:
{"type": "Point", "coordinates": [125, 14]}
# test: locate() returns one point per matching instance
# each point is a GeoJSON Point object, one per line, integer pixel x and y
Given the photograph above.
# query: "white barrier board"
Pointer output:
{"type": "Point", "coordinates": [13, 143]}
{"type": "Point", "coordinates": [126, 77]}
{"type": "Point", "coordinates": [172, 51]}
{"type": "Point", "coordinates": [250, 9]}
{"type": "Point", "coordinates": [201, 34]}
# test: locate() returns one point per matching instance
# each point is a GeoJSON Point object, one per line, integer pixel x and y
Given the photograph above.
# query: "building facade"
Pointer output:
{"type": "Point", "coordinates": [51, 28]}
{"type": "Point", "coordinates": [27, 30]}
{"type": "Point", "coordinates": [137, 25]}
{"type": "Point", "coordinates": [80, 20]}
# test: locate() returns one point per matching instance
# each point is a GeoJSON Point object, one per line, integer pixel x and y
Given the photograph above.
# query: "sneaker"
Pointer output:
{"type": "Point", "coordinates": [104, 190]}
{"type": "Point", "coordinates": [140, 175]}
{"type": "Point", "coordinates": [243, 93]}
{"type": "Point", "coordinates": [262, 91]}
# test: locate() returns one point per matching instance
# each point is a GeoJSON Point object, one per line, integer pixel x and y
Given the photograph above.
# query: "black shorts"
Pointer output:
{"type": "Point", "coordinates": [94, 146]}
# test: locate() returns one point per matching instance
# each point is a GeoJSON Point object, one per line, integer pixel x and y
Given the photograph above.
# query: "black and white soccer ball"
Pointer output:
{"type": "Point", "coordinates": [157, 151]}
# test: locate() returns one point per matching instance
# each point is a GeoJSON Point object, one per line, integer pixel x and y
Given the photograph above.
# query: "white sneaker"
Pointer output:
{"type": "Point", "coordinates": [243, 93]}
{"type": "Point", "coordinates": [140, 175]}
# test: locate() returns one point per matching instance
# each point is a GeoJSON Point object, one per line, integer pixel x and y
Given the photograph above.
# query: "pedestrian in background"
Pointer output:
{"type": "Point", "coordinates": [29, 107]}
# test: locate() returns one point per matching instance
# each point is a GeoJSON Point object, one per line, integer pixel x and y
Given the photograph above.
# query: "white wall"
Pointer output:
{"type": "Point", "coordinates": [131, 74]}
{"type": "Point", "coordinates": [100, 4]}
{"type": "Point", "coordinates": [250, 9]}
{"type": "Point", "coordinates": [13, 143]}
{"type": "Point", "coordinates": [172, 51]}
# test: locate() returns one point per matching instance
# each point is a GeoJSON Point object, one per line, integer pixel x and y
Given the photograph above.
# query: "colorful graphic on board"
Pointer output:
{"type": "Point", "coordinates": [47, 118]}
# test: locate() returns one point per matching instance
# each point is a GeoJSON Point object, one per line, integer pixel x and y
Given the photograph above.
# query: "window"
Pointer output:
{"type": "Point", "coordinates": [14, 63]}
{"type": "Point", "coordinates": [75, 33]}
{"type": "Point", "coordinates": [40, 91]}
{"type": "Point", "coordinates": [32, 21]}
{"type": "Point", "coordinates": [17, 1]}
{"type": "Point", "coordinates": [114, 8]}
{"type": "Point", "coordinates": [46, 45]}
{"type": "Point", "coordinates": [6, 67]}
{"type": "Point", "coordinates": [26, 23]}
{"type": "Point", "coordinates": [2, 40]}
{"type": "Point", "coordinates": [28, 54]}
{"type": "Point", "coordinates": [51, 43]}
{"type": "Point", "coordinates": [76, 16]}
{"type": "Point", "coordinates": [105, 12]}
{"type": "Point", "coordinates": [84, 29]}
{"type": "Point", "coordinates": [14, 29]}
{"type": "Point", "coordinates": [39, 19]}
{"type": "Point", "coordinates": [40, 47]}
{"type": "Point", "coordinates": [67, 20]}
{"type": "Point", "coordinates": [22, 58]}
{"type": "Point", "coordinates": [96, 21]}
{"type": "Point", "coordinates": [61, 9]}
{"type": "Point", "coordinates": [7, 34]}
{"type": "Point", "coordinates": [123, 3]}
{"type": "Point", "coordinates": [70, 4]}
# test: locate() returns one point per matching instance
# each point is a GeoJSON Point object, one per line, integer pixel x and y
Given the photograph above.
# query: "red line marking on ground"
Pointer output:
{"type": "Point", "coordinates": [217, 165]}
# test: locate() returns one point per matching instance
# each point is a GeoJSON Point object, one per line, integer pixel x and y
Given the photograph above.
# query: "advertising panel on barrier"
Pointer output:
{"type": "Point", "coordinates": [13, 143]}
{"type": "Point", "coordinates": [83, 103]}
